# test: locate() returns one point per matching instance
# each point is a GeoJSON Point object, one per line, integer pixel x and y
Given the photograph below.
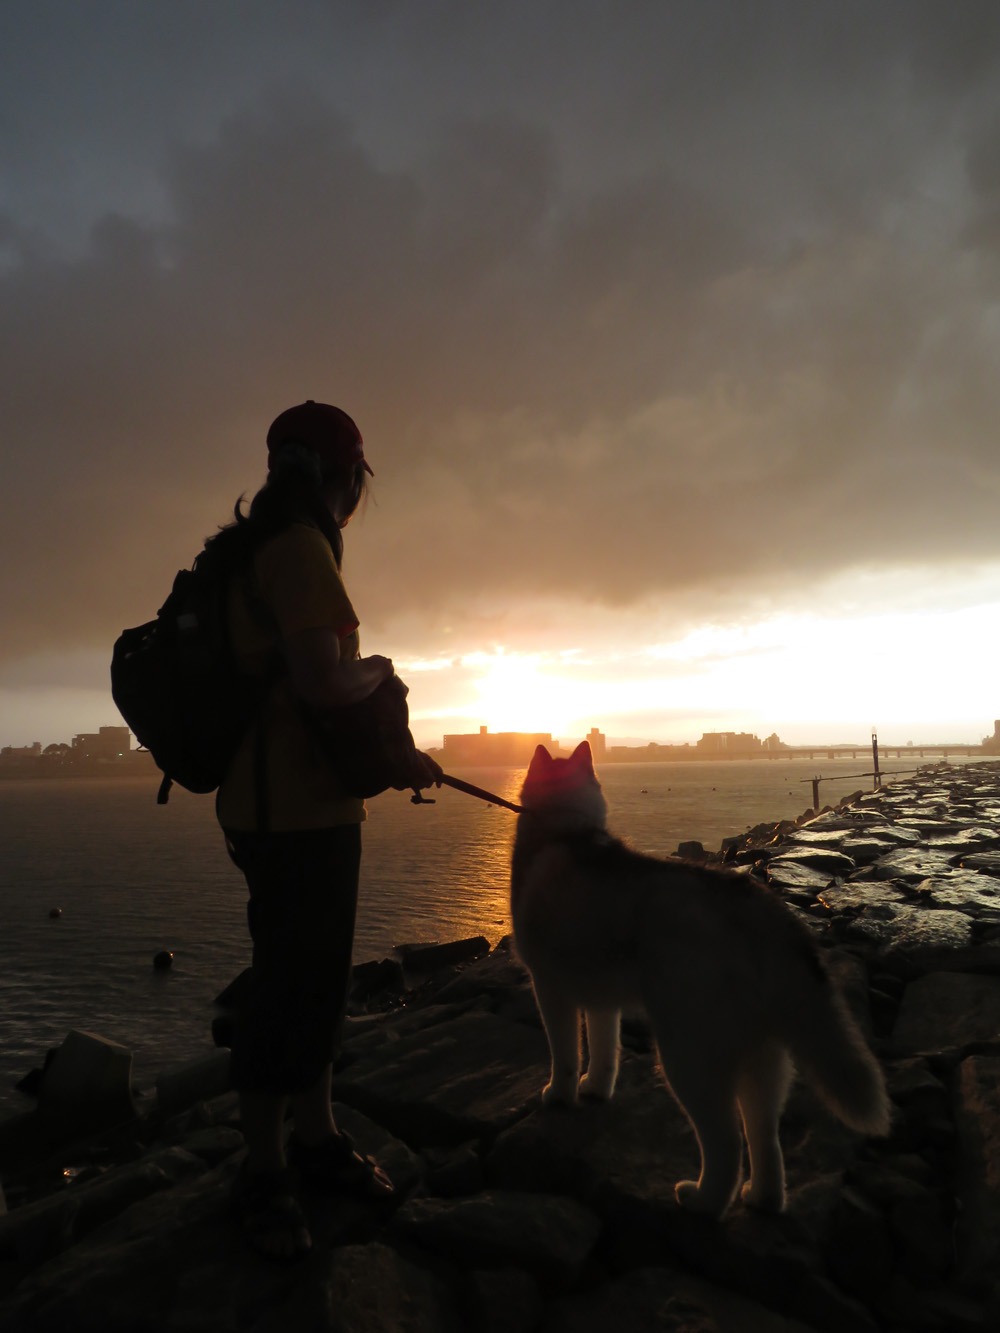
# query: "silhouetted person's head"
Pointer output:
{"type": "Point", "coordinates": [319, 445]}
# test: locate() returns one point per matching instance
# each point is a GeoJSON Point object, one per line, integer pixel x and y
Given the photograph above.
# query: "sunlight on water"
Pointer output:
{"type": "Point", "coordinates": [132, 878]}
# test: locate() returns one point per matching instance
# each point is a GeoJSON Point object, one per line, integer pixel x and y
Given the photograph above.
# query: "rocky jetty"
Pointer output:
{"type": "Point", "coordinates": [511, 1219]}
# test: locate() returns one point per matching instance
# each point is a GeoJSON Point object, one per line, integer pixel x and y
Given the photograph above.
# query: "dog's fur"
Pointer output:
{"type": "Point", "coordinates": [733, 984]}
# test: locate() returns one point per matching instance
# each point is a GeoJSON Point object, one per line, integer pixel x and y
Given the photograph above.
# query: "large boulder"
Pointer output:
{"type": "Point", "coordinates": [947, 1010]}
{"type": "Point", "coordinates": [549, 1236]}
{"type": "Point", "coordinates": [460, 1079]}
{"type": "Point", "coordinates": [977, 1120]}
{"type": "Point", "coordinates": [87, 1084]}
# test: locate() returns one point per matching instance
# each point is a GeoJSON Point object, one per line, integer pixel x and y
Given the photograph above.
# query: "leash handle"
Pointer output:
{"type": "Point", "coordinates": [480, 793]}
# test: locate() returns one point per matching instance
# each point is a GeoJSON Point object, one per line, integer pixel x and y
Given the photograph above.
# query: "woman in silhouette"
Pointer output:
{"type": "Point", "coordinates": [290, 825]}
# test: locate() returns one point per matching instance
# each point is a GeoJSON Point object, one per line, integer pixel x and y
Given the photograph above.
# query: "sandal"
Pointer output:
{"type": "Point", "coordinates": [335, 1166]}
{"type": "Point", "coordinates": [265, 1206]}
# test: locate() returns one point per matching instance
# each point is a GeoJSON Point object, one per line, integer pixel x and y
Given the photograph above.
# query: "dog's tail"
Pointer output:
{"type": "Point", "coordinates": [831, 1053]}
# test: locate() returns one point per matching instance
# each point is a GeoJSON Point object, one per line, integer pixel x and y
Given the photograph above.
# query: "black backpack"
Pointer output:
{"type": "Point", "coordinates": [176, 683]}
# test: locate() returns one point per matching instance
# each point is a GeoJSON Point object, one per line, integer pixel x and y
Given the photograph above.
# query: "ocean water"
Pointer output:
{"type": "Point", "coordinates": [130, 878]}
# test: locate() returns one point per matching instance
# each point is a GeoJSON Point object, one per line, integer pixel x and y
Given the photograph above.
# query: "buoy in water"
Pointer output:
{"type": "Point", "coordinates": [55, 913]}
{"type": "Point", "coordinates": [163, 960]}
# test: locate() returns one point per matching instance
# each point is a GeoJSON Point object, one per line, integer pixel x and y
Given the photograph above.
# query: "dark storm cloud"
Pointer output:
{"type": "Point", "coordinates": [698, 300]}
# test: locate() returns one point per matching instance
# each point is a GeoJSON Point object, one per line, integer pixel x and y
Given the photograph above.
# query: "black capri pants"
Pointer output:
{"type": "Point", "coordinates": [301, 912]}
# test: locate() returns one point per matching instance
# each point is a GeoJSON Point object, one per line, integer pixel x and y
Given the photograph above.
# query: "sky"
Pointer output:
{"type": "Point", "coordinates": [672, 329]}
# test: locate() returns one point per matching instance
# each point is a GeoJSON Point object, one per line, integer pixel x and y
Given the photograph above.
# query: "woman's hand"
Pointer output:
{"type": "Point", "coordinates": [428, 771]}
{"type": "Point", "coordinates": [379, 666]}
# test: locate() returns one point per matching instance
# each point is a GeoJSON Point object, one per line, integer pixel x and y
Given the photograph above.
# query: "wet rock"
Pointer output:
{"type": "Point", "coordinates": [451, 1082]}
{"type": "Point", "coordinates": [977, 1118]}
{"type": "Point", "coordinates": [884, 1184]}
{"type": "Point", "coordinates": [504, 1300]}
{"type": "Point", "coordinates": [902, 936]}
{"type": "Point", "coordinates": [830, 837]}
{"type": "Point", "coordinates": [417, 958]}
{"type": "Point", "coordinates": [824, 859]}
{"type": "Point", "coordinates": [858, 896]}
{"type": "Point", "coordinates": [38, 1231]}
{"type": "Point", "coordinates": [907, 866]}
{"type": "Point", "coordinates": [964, 840]}
{"type": "Point", "coordinates": [922, 1233]}
{"type": "Point", "coordinates": [87, 1084]}
{"type": "Point", "coordinates": [363, 1037]}
{"type": "Point", "coordinates": [788, 873]}
{"type": "Point", "coordinates": [214, 1143]}
{"type": "Point", "coordinates": [372, 1288]}
{"type": "Point", "coordinates": [196, 1081]}
{"type": "Point", "coordinates": [691, 851]}
{"type": "Point", "coordinates": [912, 1083]}
{"type": "Point", "coordinates": [928, 827]}
{"type": "Point", "coordinates": [919, 1308]}
{"type": "Point", "coordinates": [866, 848]}
{"type": "Point", "coordinates": [454, 1172]}
{"type": "Point", "coordinates": [987, 863]}
{"type": "Point", "coordinates": [589, 1153]}
{"type": "Point", "coordinates": [859, 1246]}
{"type": "Point", "coordinates": [946, 1010]}
{"type": "Point", "coordinates": [548, 1236]}
{"type": "Point", "coordinates": [381, 978]}
{"type": "Point", "coordinates": [497, 976]}
{"type": "Point", "coordinates": [964, 891]}
{"type": "Point", "coordinates": [664, 1300]}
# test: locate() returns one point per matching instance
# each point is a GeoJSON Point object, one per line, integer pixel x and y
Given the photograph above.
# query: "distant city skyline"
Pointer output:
{"type": "Point", "coordinates": [108, 736]}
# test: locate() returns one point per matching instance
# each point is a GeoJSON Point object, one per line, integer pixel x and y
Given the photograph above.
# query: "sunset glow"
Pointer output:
{"type": "Point", "coordinates": [527, 692]}
{"type": "Point", "coordinates": [805, 677]}
{"type": "Point", "coordinates": [672, 341]}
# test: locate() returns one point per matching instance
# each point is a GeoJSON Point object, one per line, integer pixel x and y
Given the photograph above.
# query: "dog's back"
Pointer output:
{"type": "Point", "coordinates": [629, 927]}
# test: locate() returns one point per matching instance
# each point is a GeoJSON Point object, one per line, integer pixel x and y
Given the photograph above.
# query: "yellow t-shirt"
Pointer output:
{"type": "Point", "coordinates": [294, 584]}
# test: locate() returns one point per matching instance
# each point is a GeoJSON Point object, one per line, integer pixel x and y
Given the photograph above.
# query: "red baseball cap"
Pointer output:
{"type": "Point", "coordinates": [320, 426]}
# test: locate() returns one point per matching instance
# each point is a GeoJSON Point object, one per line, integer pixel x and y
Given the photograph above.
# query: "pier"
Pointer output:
{"type": "Point", "coordinates": [908, 751]}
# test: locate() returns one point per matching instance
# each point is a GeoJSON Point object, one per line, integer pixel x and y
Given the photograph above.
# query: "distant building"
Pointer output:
{"type": "Point", "coordinates": [650, 753]}
{"type": "Point", "coordinates": [506, 748]}
{"type": "Point", "coordinates": [14, 753]}
{"type": "Point", "coordinates": [991, 744]}
{"type": "Point", "coordinates": [598, 743]}
{"type": "Point", "coordinates": [108, 744]}
{"type": "Point", "coordinates": [727, 744]}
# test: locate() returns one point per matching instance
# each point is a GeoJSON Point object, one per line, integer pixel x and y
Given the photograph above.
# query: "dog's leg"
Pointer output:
{"type": "Point", "coordinates": [707, 1094]}
{"type": "Point", "coordinates": [603, 1046]}
{"type": "Point", "coordinates": [561, 1019]}
{"type": "Point", "coordinates": [762, 1092]}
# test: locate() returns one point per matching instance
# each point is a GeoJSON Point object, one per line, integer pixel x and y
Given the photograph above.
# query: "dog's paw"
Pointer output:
{"type": "Point", "coordinates": [554, 1094]}
{"type": "Point", "coordinates": [765, 1199]}
{"type": "Point", "coordinates": [597, 1089]}
{"type": "Point", "coordinates": [689, 1196]}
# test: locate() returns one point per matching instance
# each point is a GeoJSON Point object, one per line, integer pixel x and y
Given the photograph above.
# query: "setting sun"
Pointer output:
{"type": "Point", "coordinates": [519, 692]}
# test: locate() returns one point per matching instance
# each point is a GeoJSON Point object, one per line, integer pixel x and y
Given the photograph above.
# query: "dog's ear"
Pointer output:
{"type": "Point", "coordinates": [541, 757]}
{"type": "Point", "coordinates": [582, 757]}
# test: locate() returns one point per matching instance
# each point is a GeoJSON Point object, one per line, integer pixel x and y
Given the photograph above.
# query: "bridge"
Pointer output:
{"type": "Point", "coordinates": [886, 751]}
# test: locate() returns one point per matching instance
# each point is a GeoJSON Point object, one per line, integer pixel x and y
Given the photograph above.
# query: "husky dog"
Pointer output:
{"type": "Point", "coordinates": [733, 984]}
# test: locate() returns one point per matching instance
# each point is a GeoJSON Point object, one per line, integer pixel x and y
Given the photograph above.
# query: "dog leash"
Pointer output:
{"type": "Point", "coordinates": [470, 790]}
